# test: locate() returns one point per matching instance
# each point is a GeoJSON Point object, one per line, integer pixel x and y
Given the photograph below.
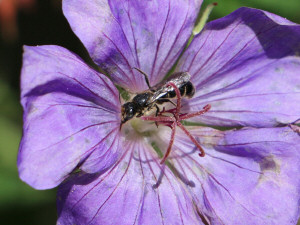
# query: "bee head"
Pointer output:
{"type": "Point", "coordinates": [129, 110]}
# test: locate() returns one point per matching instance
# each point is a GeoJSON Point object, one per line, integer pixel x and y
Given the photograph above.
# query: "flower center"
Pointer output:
{"type": "Point", "coordinates": [138, 128]}
{"type": "Point", "coordinates": [169, 118]}
{"type": "Point", "coordinates": [143, 128]}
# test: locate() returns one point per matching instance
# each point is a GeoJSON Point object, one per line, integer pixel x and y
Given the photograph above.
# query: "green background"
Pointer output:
{"type": "Point", "coordinates": [19, 203]}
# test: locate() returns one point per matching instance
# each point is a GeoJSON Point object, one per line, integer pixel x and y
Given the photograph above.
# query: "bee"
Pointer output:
{"type": "Point", "coordinates": [157, 95]}
{"type": "Point", "coordinates": [178, 85]}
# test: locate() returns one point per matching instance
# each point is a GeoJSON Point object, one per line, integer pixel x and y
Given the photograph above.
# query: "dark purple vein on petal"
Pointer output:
{"type": "Point", "coordinates": [235, 55]}
{"type": "Point", "coordinates": [251, 95]}
{"type": "Point", "coordinates": [234, 164]}
{"type": "Point", "coordinates": [174, 42]}
{"type": "Point", "coordinates": [176, 197]}
{"type": "Point", "coordinates": [242, 79]}
{"type": "Point", "coordinates": [101, 141]}
{"type": "Point", "coordinates": [228, 192]}
{"type": "Point", "coordinates": [102, 179]}
{"type": "Point", "coordinates": [157, 189]}
{"type": "Point", "coordinates": [92, 149]}
{"type": "Point", "coordinates": [117, 65]}
{"type": "Point", "coordinates": [98, 107]}
{"type": "Point", "coordinates": [212, 118]}
{"type": "Point", "coordinates": [159, 41]}
{"type": "Point", "coordinates": [125, 36]}
{"type": "Point", "coordinates": [77, 132]}
{"type": "Point", "coordinates": [209, 204]}
{"type": "Point", "coordinates": [74, 58]}
{"type": "Point", "coordinates": [113, 191]}
{"type": "Point", "coordinates": [141, 202]}
{"type": "Point", "coordinates": [115, 93]}
{"type": "Point", "coordinates": [89, 68]}
{"type": "Point", "coordinates": [199, 50]}
{"type": "Point", "coordinates": [83, 65]}
{"type": "Point", "coordinates": [218, 183]}
{"type": "Point", "coordinates": [177, 159]}
{"type": "Point", "coordinates": [216, 50]}
{"type": "Point", "coordinates": [122, 30]}
{"type": "Point", "coordinates": [121, 53]}
{"type": "Point", "coordinates": [201, 184]}
{"type": "Point", "coordinates": [82, 85]}
{"type": "Point", "coordinates": [67, 175]}
{"type": "Point", "coordinates": [249, 111]}
{"type": "Point", "coordinates": [133, 35]}
{"type": "Point", "coordinates": [118, 51]}
{"type": "Point", "coordinates": [136, 59]}
{"type": "Point", "coordinates": [230, 60]}
{"type": "Point", "coordinates": [254, 142]}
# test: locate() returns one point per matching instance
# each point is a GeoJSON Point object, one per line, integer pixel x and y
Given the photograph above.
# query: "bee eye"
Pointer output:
{"type": "Point", "coordinates": [131, 111]}
{"type": "Point", "coordinates": [128, 110]}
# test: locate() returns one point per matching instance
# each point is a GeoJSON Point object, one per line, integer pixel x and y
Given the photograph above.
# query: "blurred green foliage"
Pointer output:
{"type": "Point", "coordinates": [289, 9]}
{"type": "Point", "coordinates": [19, 203]}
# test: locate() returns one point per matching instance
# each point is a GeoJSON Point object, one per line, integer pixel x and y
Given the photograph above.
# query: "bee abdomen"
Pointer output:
{"type": "Point", "coordinates": [189, 90]}
{"type": "Point", "coordinates": [186, 90]}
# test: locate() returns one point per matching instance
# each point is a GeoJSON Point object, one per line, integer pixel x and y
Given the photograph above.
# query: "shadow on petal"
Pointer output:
{"type": "Point", "coordinates": [278, 41]}
{"type": "Point", "coordinates": [67, 87]}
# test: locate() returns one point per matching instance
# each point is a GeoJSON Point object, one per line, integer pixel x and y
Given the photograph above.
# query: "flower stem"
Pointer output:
{"type": "Point", "coordinates": [203, 19]}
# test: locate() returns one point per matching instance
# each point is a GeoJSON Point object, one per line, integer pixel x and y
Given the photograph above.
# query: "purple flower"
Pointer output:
{"type": "Point", "coordinates": [245, 65]}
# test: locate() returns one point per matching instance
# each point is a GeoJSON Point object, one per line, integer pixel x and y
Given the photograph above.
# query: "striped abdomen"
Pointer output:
{"type": "Point", "coordinates": [187, 90]}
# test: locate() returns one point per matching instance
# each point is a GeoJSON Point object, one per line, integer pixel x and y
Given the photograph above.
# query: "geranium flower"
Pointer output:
{"type": "Point", "coordinates": [245, 65]}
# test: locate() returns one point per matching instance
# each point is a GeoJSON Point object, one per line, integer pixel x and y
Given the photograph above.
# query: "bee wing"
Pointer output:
{"type": "Point", "coordinates": [178, 79]}
{"type": "Point", "coordinates": [159, 93]}
{"type": "Point", "coordinates": [162, 88]}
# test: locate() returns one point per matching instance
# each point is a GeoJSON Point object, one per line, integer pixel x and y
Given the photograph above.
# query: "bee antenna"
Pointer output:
{"type": "Point", "coordinates": [145, 75]}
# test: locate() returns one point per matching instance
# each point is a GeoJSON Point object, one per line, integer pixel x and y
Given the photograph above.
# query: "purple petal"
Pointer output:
{"type": "Point", "coordinates": [246, 65]}
{"type": "Point", "coordinates": [69, 111]}
{"type": "Point", "coordinates": [137, 190]}
{"type": "Point", "coordinates": [247, 175]}
{"type": "Point", "coordinates": [120, 35]}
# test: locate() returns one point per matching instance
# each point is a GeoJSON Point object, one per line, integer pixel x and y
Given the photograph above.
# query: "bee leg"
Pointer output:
{"type": "Point", "coordinates": [157, 110]}
{"type": "Point", "coordinates": [139, 115]}
{"type": "Point", "coordinates": [145, 75]}
{"type": "Point", "coordinates": [172, 102]}
{"type": "Point", "coordinates": [173, 127]}
{"type": "Point", "coordinates": [156, 114]}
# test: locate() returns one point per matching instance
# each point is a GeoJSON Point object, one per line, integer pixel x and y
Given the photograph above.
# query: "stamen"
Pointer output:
{"type": "Point", "coordinates": [202, 154]}
{"type": "Point", "coordinates": [201, 112]}
{"type": "Point", "coordinates": [173, 127]}
{"type": "Point", "coordinates": [172, 122]}
{"type": "Point", "coordinates": [178, 107]}
{"type": "Point", "coordinates": [158, 118]}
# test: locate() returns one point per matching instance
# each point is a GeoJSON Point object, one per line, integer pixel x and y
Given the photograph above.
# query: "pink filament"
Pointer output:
{"type": "Point", "coordinates": [172, 122]}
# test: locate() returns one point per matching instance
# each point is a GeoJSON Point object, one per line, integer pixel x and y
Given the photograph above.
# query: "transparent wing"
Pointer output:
{"type": "Point", "coordinates": [162, 88]}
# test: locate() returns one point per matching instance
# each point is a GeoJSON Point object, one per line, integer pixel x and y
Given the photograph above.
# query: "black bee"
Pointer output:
{"type": "Point", "coordinates": [157, 94]}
